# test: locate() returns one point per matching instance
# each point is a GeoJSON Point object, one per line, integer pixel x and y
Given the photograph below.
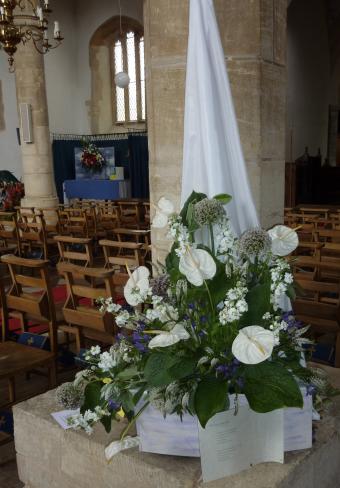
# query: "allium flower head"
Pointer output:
{"type": "Point", "coordinates": [254, 242]}
{"type": "Point", "coordinates": [208, 211]}
{"type": "Point", "coordinates": [160, 285]}
{"type": "Point", "coordinates": [69, 396]}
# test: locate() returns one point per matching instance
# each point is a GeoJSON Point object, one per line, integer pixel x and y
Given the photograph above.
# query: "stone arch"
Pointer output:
{"type": "Point", "coordinates": [100, 53]}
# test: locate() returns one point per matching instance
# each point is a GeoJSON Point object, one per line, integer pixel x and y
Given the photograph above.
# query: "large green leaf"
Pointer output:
{"type": "Point", "coordinates": [211, 397]}
{"type": "Point", "coordinates": [92, 396]}
{"type": "Point", "coordinates": [258, 299]}
{"type": "Point", "coordinates": [269, 386]}
{"type": "Point", "coordinates": [157, 367]}
{"type": "Point", "coordinates": [182, 368]}
{"type": "Point", "coordinates": [193, 198]}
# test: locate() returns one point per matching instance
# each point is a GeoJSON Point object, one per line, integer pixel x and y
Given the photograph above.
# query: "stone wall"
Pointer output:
{"type": "Point", "coordinates": [253, 34]}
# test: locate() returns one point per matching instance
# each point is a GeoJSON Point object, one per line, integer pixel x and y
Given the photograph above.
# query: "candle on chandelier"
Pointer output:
{"type": "Point", "coordinates": [40, 13]}
{"type": "Point", "coordinates": [56, 29]}
{"type": "Point", "coordinates": [46, 3]}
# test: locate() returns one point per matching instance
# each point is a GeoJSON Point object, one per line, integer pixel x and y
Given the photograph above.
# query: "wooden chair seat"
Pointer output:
{"type": "Point", "coordinates": [17, 358]}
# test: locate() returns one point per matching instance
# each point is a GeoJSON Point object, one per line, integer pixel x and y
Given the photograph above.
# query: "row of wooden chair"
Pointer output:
{"type": "Point", "coordinates": [30, 299]}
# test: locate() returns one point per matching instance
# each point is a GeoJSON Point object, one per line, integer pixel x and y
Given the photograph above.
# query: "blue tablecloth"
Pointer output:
{"type": "Point", "coordinates": [92, 189]}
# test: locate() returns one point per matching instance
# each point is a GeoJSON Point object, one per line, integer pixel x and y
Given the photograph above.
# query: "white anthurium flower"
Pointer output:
{"type": "Point", "coordinates": [253, 344]}
{"type": "Point", "coordinates": [197, 265]}
{"type": "Point", "coordinates": [164, 208]}
{"type": "Point", "coordinates": [165, 339]}
{"type": "Point", "coordinates": [284, 240]}
{"type": "Point", "coordinates": [137, 286]}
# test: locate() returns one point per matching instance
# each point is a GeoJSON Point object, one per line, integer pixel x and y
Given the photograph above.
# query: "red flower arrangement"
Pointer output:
{"type": "Point", "coordinates": [91, 158]}
{"type": "Point", "coordinates": [11, 195]}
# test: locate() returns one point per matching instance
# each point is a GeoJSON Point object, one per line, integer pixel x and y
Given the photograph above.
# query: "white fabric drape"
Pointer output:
{"type": "Point", "coordinates": [213, 161]}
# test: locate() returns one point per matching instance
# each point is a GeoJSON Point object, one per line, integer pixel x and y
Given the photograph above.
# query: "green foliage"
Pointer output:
{"type": "Point", "coordinates": [269, 386]}
{"type": "Point", "coordinates": [92, 395]}
{"type": "Point", "coordinates": [156, 369]}
{"type": "Point", "coordinates": [224, 198]}
{"type": "Point", "coordinates": [258, 299]}
{"type": "Point", "coordinates": [162, 368]}
{"type": "Point", "coordinates": [211, 397]}
{"type": "Point", "coordinates": [192, 199]}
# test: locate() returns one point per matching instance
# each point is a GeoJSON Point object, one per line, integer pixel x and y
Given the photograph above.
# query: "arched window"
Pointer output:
{"type": "Point", "coordinates": [128, 56]}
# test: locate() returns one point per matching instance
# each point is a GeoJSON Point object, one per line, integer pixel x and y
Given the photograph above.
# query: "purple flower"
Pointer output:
{"type": "Point", "coordinates": [113, 406]}
{"type": "Point", "coordinates": [203, 319]}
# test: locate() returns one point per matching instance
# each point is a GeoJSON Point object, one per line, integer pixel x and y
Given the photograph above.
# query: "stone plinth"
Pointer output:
{"type": "Point", "coordinates": [51, 457]}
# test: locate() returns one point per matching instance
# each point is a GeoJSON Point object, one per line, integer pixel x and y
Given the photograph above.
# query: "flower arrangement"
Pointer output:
{"type": "Point", "coordinates": [210, 325]}
{"type": "Point", "coordinates": [91, 158]}
{"type": "Point", "coordinates": [11, 194]}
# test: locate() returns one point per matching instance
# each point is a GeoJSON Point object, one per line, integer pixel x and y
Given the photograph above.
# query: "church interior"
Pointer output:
{"type": "Point", "coordinates": [96, 141]}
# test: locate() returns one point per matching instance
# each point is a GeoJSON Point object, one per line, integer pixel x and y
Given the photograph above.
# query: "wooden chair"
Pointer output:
{"type": "Point", "coordinates": [32, 234]}
{"type": "Point", "coordinates": [67, 252]}
{"type": "Point", "coordinates": [86, 321]}
{"type": "Point", "coordinates": [319, 307]}
{"type": "Point", "coordinates": [9, 234]}
{"type": "Point", "coordinates": [126, 254]}
{"type": "Point", "coordinates": [129, 211]}
{"type": "Point", "coordinates": [17, 358]}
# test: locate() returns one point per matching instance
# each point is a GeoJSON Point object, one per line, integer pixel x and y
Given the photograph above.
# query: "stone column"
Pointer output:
{"type": "Point", "coordinates": [253, 34]}
{"type": "Point", "coordinates": [36, 157]}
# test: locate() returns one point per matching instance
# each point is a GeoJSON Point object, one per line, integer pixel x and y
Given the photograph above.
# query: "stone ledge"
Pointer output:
{"type": "Point", "coordinates": [49, 457]}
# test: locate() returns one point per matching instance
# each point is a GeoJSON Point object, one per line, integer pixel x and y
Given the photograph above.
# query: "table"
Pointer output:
{"type": "Point", "coordinates": [94, 189]}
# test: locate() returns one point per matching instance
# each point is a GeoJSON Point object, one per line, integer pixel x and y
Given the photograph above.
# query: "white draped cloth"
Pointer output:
{"type": "Point", "coordinates": [213, 161]}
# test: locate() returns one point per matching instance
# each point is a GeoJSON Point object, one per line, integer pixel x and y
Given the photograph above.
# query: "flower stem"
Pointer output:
{"type": "Point", "coordinates": [210, 298]}
{"type": "Point", "coordinates": [211, 230]}
{"type": "Point", "coordinates": [133, 420]}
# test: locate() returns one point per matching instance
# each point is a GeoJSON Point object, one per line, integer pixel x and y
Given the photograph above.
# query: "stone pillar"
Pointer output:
{"type": "Point", "coordinates": [253, 34]}
{"type": "Point", "coordinates": [36, 157]}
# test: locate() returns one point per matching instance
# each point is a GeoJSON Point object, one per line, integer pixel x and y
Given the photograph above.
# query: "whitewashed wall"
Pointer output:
{"type": "Point", "coordinates": [68, 77]}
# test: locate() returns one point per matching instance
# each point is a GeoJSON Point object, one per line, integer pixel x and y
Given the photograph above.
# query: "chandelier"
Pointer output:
{"type": "Point", "coordinates": [26, 20]}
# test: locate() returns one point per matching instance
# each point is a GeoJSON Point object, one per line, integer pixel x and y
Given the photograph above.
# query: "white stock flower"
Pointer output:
{"type": "Point", "coordinates": [197, 265]}
{"type": "Point", "coordinates": [284, 240]}
{"type": "Point", "coordinates": [165, 339]}
{"type": "Point", "coordinates": [164, 208]}
{"type": "Point", "coordinates": [253, 344]}
{"type": "Point", "coordinates": [137, 287]}
{"type": "Point", "coordinates": [107, 361]}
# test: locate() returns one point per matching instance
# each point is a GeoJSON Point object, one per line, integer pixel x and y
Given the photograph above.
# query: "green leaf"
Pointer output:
{"type": "Point", "coordinates": [128, 373]}
{"type": "Point", "coordinates": [157, 367]}
{"type": "Point", "coordinates": [182, 368]}
{"type": "Point", "coordinates": [211, 397]}
{"type": "Point", "coordinates": [92, 396]}
{"type": "Point", "coordinates": [172, 264]}
{"type": "Point", "coordinates": [106, 421]}
{"type": "Point", "coordinates": [258, 299]}
{"type": "Point", "coordinates": [219, 284]}
{"type": "Point", "coordinates": [223, 198]}
{"type": "Point", "coordinates": [291, 292]}
{"type": "Point", "coordinates": [269, 386]}
{"type": "Point", "coordinates": [193, 198]}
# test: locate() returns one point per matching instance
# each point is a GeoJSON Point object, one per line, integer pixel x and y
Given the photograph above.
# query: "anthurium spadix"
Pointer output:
{"type": "Point", "coordinates": [137, 286]}
{"type": "Point", "coordinates": [164, 209]}
{"type": "Point", "coordinates": [284, 240]}
{"type": "Point", "coordinates": [197, 265]}
{"type": "Point", "coordinates": [165, 339]}
{"type": "Point", "coordinates": [253, 344]}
